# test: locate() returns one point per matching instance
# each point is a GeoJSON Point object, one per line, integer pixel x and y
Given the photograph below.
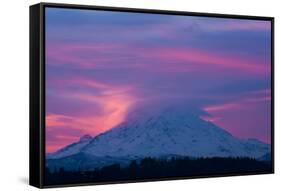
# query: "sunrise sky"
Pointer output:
{"type": "Point", "coordinates": [101, 65]}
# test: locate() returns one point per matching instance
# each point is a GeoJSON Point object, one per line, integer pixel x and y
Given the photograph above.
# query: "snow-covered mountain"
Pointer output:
{"type": "Point", "coordinates": [71, 149]}
{"type": "Point", "coordinates": [157, 134]}
{"type": "Point", "coordinates": [265, 157]}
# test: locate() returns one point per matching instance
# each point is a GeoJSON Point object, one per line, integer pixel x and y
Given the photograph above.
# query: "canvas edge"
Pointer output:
{"type": "Point", "coordinates": [35, 97]}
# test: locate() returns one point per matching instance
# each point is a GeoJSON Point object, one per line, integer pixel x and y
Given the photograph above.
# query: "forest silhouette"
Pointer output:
{"type": "Point", "coordinates": [150, 168]}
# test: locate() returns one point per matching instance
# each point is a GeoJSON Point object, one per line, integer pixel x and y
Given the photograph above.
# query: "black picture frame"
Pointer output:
{"type": "Point", "coordinates": [37, 87]}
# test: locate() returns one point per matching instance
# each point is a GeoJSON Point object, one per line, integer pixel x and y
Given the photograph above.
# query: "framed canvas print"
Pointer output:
{"type": "Point", "coordinates": [127, 95]}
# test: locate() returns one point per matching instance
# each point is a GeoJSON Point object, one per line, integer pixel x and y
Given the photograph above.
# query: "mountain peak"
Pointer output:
{"type": "Point", "coordinates": [160, 133]}
{"type": "Point", "coordinates": [85, 138]}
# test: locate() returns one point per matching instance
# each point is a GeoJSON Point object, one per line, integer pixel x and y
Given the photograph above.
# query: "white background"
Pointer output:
{"type": "Point", "coordinates": [14, 90]}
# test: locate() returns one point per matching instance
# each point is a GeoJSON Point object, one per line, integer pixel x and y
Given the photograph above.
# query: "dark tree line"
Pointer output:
{"type": "Point", "coordinates": [150, 168]}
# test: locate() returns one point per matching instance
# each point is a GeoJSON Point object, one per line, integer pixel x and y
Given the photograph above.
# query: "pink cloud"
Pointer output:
{"type": "Point", "coordinates": [253, 119]}
{"type": "Point", "coordinates": [58, 137]}
{"type": "Point", "coordinates": [114, 110]}
{"type": "Point", "coordinates": [172, 59]}
{"type": "Point", "coordinates": [224, 106]}
{"type": "Point", "coordinates": [251, 97]}
{"type": "Point", "coordinates": [196, 58]}
{"type": "Point", "coordinates": [113, 103]}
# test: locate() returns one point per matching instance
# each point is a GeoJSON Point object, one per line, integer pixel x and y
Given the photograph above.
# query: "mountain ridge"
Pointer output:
{"type": "Point", "coordinates": [161, 134]}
